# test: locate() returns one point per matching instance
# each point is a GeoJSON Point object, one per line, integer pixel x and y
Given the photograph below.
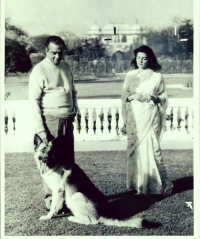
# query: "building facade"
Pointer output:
{"type": "Point", "coordinates": [117, 36]}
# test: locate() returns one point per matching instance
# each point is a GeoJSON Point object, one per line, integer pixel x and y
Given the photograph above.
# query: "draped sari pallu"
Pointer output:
{"type": "Point", "coordinates": [144, 125]}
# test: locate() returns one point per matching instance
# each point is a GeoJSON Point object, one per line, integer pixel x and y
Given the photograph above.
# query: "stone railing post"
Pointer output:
{"type": "Point", "coordinates": [97, 120]}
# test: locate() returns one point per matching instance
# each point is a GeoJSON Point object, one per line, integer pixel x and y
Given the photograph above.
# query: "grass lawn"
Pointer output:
{"type": "Point", "coordinates": [98, 88]}
{"type": "Point", "coordinates": [24, 196]}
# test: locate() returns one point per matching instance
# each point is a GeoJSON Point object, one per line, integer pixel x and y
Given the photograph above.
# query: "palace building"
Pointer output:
{"type": "Point", "coordinates": [117, 36]}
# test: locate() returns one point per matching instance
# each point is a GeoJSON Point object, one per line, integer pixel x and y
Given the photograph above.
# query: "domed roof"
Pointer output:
{"type": "Point", "coordinates": [136, 27]}
{"type": "Point", "coordinates": [95, 27]}
{"type": "Point", "coordinates": [122, 27]}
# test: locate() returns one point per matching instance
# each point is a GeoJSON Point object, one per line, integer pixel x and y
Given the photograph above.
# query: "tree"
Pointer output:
{"type": "Point", "coordinates": [71, 40]}
{"type": "Point", "coordinates": [130, 53]}
{"type": "Point", "coordinates": [182, 43]}
{"type": "Point", "coordinates": [12, 31]}
{"type": "Point", "coordinates": [166, 42]}
{"type": "Point", "coordinates": [17, 49]}
{"type": "Point", "coordinates": [159, 41]}
{"type": "Point", "coordinates": [186, 33]}
{"type": "Point", "coordinates": [39, 42]}
{"type": "Point", "coordinates": [21, 36]}
{"type": "Point", "coordinates": [16, 57]}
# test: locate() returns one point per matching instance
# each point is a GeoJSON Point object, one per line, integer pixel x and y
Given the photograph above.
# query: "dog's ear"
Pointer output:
{"type": "Point", "coordinates": [37, 140]}
{"type": "Point", "coordinates": [50, 143]}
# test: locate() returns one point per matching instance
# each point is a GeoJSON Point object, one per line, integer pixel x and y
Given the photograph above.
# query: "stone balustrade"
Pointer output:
{"type": "Point", "coordinates": [98, 120]}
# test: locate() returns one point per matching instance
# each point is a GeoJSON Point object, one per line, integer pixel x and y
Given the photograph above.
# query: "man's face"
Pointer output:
{"type": "Point", "coordinates": [54, 53]}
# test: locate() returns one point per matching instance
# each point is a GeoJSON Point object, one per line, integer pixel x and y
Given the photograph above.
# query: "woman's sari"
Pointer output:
{"type": "Point", "coordinates": [145, 124]}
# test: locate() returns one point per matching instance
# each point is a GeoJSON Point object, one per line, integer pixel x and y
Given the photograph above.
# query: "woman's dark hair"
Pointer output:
{"type": "Point", "coordinates": [56, 40]}
{"type": "Point", "coordinates": [152, 64]}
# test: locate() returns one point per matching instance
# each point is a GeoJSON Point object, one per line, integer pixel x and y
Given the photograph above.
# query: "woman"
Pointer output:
{"type": "Point", "coordinates": [144, 104]}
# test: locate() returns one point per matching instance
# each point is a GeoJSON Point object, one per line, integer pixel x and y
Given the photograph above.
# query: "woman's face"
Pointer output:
{"type": "Point", "coordinates": [142, 60]}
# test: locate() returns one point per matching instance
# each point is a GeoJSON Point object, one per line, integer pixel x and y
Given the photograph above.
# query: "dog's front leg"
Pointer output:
{"type": "Point", "coordinates": [57, 203]}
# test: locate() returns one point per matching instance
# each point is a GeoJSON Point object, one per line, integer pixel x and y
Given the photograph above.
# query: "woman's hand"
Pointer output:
{"type": "Point", "coordinates": [136, 96]}
{"type": "Point", "coordinates": [147, 97]}
{"type": "Point", "coordinates": [154, 98]}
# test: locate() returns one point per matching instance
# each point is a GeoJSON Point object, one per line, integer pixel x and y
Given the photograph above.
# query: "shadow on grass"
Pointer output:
{"type": "Point", "coordinates": [127, 204]}
{"type": "Point", "coordinates": [182, 184]}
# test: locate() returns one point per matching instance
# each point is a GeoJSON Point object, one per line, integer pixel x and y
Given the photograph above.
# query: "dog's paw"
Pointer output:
{"type": "Point", "coordinates": [71, 218]}
{"type": "Point", "coordinates": [45, 217]}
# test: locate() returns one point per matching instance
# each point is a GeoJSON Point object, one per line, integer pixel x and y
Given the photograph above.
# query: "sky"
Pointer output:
{"type": "Point", "coordinates": [50, 16]}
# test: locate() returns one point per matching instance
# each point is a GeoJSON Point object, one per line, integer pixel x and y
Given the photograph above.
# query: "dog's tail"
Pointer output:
{"type": "Point", "coordinates": [130, 222]}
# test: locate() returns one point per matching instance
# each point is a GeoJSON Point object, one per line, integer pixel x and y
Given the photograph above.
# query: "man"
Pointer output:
{"type": "Point", "coordinates": [53, 100]}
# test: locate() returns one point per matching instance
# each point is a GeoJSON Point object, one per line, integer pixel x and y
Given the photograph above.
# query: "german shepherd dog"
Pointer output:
{"type": "Point", "coordinates": [70, 185]}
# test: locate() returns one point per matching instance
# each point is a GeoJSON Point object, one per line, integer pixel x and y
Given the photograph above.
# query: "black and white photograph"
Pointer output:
{"type": "Point", "coordinates": [99, 118]}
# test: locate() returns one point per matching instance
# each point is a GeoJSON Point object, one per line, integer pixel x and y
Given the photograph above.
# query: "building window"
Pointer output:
{"type": "Point", "coordinates": [124, 38]}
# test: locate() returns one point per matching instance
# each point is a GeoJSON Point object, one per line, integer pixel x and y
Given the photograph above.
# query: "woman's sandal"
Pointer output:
{"type": "Point", "coordinates": [168, 190]}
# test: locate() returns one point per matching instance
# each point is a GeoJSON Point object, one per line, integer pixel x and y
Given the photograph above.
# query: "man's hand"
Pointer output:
{"type": "Point", "coordinates": [43, 136]}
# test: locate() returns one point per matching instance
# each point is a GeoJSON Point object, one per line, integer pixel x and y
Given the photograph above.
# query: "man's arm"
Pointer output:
{"type": "Point", "coordinates": [74, 92]}
{"type": "Point", "coordinates": [35, 94]}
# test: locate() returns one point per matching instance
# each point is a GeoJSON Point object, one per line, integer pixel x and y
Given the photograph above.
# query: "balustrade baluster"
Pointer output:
{"type": "Point", "coordinates": [167, 126]}
{"type": "Point", "coordinates": [78, 121]}
{"type": "Point", "coordinates": [94, 117]}
{"type": "Point", "coordinates": [98, 135]}
{"type": "Point", "coordinates": [186, 119]}
{"type": "Point", "coordinates": [109, 119]}
{"type": "Point", "coordinates": [14, 121]}
{"type": "Point", "coordinates": [86, 120]}
{"type": "Point", "coordinates": [117, 121]}
{"type": "Point", "coordinates": [179, 119]}
{"type": "Point", "coordinates": [6, 122]}
{"type": "Point", "coordinates": [171, 118]}
{"type": "Point", "coordinates": [100, 122]}
{"type": "Point", "coordinates": [113, 123]}
{"type": "Point", "coordinates": [101, 116]}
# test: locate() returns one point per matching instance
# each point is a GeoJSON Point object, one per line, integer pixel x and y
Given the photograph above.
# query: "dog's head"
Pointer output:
{"type": "Point", "coordinates": [43, 151]}
{"type": "Point", "coordinates": [52, 154]}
